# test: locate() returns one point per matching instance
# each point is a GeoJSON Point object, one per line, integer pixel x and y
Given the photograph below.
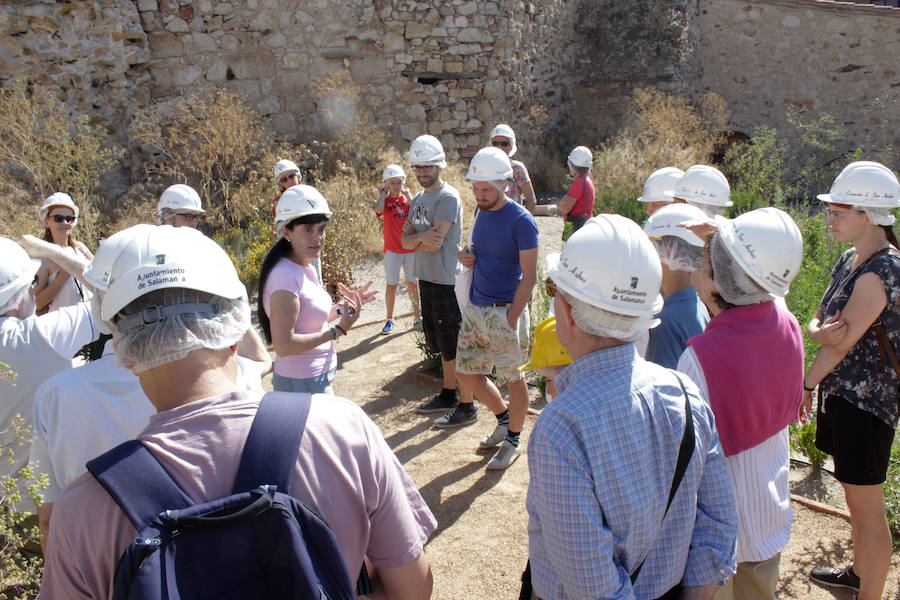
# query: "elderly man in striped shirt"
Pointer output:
{"type": "Point", "coordinates": [629, 494]}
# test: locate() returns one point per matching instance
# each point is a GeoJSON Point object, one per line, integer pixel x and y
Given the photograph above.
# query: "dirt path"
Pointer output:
{"type": "Point", "coordinates": [481, 544]}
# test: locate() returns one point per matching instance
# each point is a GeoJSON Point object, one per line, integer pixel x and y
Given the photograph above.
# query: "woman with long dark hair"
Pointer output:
{"type": "Point", "coordinates": [55, 287]}
{"type": "Point", "coordinates": [295, 311]}
{"type": "Point", "coordinates": [858, 325]}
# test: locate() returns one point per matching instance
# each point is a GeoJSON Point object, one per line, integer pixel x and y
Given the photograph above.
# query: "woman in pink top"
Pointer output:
{"type": "Point", "coordinates": [295, 311]}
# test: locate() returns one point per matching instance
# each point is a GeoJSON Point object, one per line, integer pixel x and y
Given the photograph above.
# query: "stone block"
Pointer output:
{"type": "Point", "coordinates": [416, 112]}
{"type": "Point", "coordinates": [178, 26]}
{"type": "Point", "coordinates": [415, 30]}
{"type": "Point", "coordinates": [461, 22]}
{"type": "Point", "coordinates": [433, 17]}
{"type": "Point", "coordinates": [269, 105]}
{"type": "Point", "coordinates": [185, 75]}
{"type": "Point", "coordinates": [217, 71]}
{"type": "Point", "coordinates": [493, 89]}
{"type": "Point", "coordinates": [284, 124]}
{"type": "Point", "coordinates": [403, 59]}
{"type": "Point", "coordinates": [145, 5]}
{"type": "Point", "coordinates": [275, 40]}
{"type": "Point", "coordinates": [304, 17]}
{"type": "Point", "coordinates": [469, 34]}
{"type": "Point", "coordinates": [469, 49]}
{"type": "Point", "coordinates": [252, 65]}
{"type": "Point", "coordinates": [410, 131]}
{"type": "Point", "coordinates": [229, 44]}
{"type": "Point", "coordinates": [434, 128]}
{"type": "Point", "coordinates": [165, 45]}
{"type": "Point", "coordinates": [490, 8]}
{"type": "Point", "coordinates": [290, 81]}
{"type": "Point", "coordinates": [223, 8]}
{"type": "Point", "coordinates": [393, 42]}
{"type": "Point", "coordinates": [265, 21]}
{"type": "Point", "coordinates": [247, 88]}
{"type": "Point", "coordinates": [485, 109]}
{"type": "Point", "coordinates": [435, 65]}
{"type": "Point", "coordinates": [201, 43]}
{"type": "Point", "coordinates": [366, 69]}
{"type": "Point", "coordinates": [439, 32]}
{"type": "Point", "coordinates": [294, 60]}
{"type": "Point", "coordinates": [469, 8]}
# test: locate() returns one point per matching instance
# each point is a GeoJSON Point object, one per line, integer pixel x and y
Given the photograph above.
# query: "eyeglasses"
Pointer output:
{"type": "Point", "coordinates": [550, 287]}
{"type": "Point", "coordinates": [188, 216]}
{"type": "Point", "coordinates": [61, 218]}
{"type": "Point", "coordinates": [285, 178]}
{"type": "Point", "coordinates": [500, 144]}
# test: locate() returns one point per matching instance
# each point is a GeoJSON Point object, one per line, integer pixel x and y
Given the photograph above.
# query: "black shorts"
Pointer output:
{"type": "Point", "coordinates": [859, 441]}
{"type": "Point", "coordinates": [440, 318]}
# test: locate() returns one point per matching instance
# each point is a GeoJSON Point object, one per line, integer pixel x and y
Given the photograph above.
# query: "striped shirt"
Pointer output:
{"type": "Point", "coordinates": [601, 461]}
{"type": "Point", "coordinates": [760, 478]}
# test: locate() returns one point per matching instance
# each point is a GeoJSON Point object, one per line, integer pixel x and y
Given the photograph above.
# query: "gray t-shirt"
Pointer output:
{"type": "Point", "coordinates": [441, 204]}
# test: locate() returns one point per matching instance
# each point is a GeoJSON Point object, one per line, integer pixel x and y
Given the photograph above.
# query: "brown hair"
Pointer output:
{"type": "Point", "coordinates": [48, 236]}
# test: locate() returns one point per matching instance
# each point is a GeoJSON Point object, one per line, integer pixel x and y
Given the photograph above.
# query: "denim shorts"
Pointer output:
{"type": "Point", "coordinates": [320, 384]}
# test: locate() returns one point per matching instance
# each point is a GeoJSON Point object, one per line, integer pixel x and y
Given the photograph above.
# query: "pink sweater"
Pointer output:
{"type": "Point", "coordinates": [752, 358]}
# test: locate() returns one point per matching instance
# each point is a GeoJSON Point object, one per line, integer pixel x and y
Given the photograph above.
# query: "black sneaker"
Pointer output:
{"type": "Point", "coordinates": [836, 578]}
{"type": "Point", "coordinates": [443, 402]}
{"type": "Point", "coordinates": [458, 417]}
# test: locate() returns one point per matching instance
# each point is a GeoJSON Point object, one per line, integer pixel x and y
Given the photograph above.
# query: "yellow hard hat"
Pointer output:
{"type": "Point", "coordinates": [546, 350]}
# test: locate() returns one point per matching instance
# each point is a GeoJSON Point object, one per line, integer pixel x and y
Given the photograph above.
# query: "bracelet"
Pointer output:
{"type": "Point", "coordinates": [341, 329]}
{"type": "Point", "coordinates": [809, 389]}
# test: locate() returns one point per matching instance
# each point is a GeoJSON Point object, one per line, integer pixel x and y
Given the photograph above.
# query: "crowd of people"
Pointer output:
{"type": "Point", "coordinates": [658, 470]}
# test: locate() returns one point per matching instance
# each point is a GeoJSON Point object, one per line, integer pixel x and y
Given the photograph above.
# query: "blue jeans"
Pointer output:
{"type": "Point", "coordinates": [320, 384]}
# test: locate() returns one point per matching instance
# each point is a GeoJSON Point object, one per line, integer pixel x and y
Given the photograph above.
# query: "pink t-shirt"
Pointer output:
{"type": "Point", "coordinates": [345, 470]}
{"type": "Point", "coordinates": [315, 305]}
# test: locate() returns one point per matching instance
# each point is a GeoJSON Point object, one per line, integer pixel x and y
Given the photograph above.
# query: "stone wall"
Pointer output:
{"type": "Point", "coordinates": [455, 68]}
{"type": "Point", "coordinates": [767, 56]}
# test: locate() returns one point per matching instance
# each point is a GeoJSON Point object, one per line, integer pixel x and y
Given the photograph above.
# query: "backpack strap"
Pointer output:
{"type": "Point", "coordinates": [137, 482]}
{"type": "Point", "coordinates": [270, 452]}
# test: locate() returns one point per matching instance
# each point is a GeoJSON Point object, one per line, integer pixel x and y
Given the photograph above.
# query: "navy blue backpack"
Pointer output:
{"type": "Point", "coordinates": [258, 542]}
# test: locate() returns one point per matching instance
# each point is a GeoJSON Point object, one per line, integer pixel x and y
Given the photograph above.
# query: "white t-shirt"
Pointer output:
{"type": "Point", "coordinates": [81, 413]}
{"type": "Point", "coordinates": [35, 349]}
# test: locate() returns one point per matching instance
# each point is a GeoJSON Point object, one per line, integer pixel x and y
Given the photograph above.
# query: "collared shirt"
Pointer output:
{"type": "Point", "coordinates": [601, 460]}
{"type": "Point", "coordinates": [683, 316]}
{"type": "Point", "coordinates": [760, 476]}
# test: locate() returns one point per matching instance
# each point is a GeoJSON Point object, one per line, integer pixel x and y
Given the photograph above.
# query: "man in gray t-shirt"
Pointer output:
{"type": "Point", "coordinates": [434, 230]}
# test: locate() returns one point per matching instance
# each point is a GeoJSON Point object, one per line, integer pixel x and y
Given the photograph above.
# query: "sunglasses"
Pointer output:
{"type": "Point", "coordinates": [61, 218]}
{"type": "Point", "coordinates": [285, 178]}
{"type": "Point", "coordinates": [501, 144]}
{"type": "Point", "coordinates": [550, 287]}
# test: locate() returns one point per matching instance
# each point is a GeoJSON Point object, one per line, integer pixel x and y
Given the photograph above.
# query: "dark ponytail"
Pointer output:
{"type": "Point", "coordinates": [281, 249]}
{"type": "Point", "coordinates": [891, 236]}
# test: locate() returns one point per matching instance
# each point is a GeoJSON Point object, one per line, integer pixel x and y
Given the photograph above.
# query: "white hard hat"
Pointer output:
{"type": "Point", "coordinates": [57, 199]}
{"type": "Point", "coordinates": [581, 156]}
{"type": "Point", "coordinates": [426, 150]}
{"type": "Point", "coordinates": [504, 130]}
{"type": "Point", "coordinates": [628, 285]}
{"type": "Point", "coordinates": [666, 221]}
{"type": "Point", "coordinates": [180, 197]}
{"type": "Point", "coordinates": [300, 201]}
{"type": "Point", "coordinates": [284, 166]}
{"type": "Point", "coordinates": [17, 269]}
{"type": "Point", "coordinates": [866, 184]}
{"type": "Point", "coordinates": [767, 245]}
{"type": "Point", "coordinates": [168, 257]}
{"type": "Point", "coordinates": [702, 184]}
{"type": "Point", "coordinates": [490, 164]}
{"type": "Point", "coordinates": [659, 181]}
{"type": "Point", "coordinates": [392, 171]}
{"type": "Point", "coordinates": [99, 270]}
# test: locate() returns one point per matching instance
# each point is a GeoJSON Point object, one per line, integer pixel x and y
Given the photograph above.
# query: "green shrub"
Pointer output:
{"type": "Point", "coordinates": [247, 246]}
{"type": "Point", "coordinates": [803, 440]}
{"type": "Point", "coordinates": [44, 150]}
{"type": "Point", "coordinates": [892, 493]}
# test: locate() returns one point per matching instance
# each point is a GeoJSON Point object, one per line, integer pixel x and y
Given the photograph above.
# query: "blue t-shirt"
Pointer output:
{"type": "Point", "coordinates": [683, 316]}
{"type": "Point", "coordinates": [497, 238]}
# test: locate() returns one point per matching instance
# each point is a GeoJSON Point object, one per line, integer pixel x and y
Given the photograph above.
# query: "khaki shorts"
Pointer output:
{"type": "Point", "coordinates": [486, 341]}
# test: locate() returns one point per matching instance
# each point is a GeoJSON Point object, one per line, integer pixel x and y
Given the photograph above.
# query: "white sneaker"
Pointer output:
{"type": "Point", "coordinates": [505, 456]}
{"type": "Point", "coordinates": [495, 438]}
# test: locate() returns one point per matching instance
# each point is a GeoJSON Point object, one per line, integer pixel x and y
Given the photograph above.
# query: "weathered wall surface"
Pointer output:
{"type": "Point", "coordinates": [767, 56]}
{"type": "Point", "coordinates": [455, 68]}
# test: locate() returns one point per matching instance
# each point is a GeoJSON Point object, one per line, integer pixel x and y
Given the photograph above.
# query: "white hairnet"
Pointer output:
{"type": "Point", "coordinates": [732, 283]}
{"type": "Point", "coordinates": [879, 216]}
{"type": "Point", "coordinates": [709, 209]}
{"type": "Point", "coordinates": [165, 214]}
{"type": "Point", "coordinates": [604, 323]}
{"type": "Point", "coordinates": [677, 254]}
{"type": "Point", "coordinates": [173, 337]}
{"type": "Point", "coordinates": [500, 185]}
{"type": "Point", "coordinates": [15, 300]}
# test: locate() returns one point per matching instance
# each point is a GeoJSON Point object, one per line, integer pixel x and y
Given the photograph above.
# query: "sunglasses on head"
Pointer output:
{"type": "Point", "coordinates": [550, 287]}
{"type": "Point", "coordinates": [61, 218]}
{"type": "Point", "coordinates": [500, 144]}
{"type": "Point", "coordinates": [284, 178]}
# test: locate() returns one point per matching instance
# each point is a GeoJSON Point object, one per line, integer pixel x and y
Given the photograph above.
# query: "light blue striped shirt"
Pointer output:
{"type": "Point", "coordinates": [601, 460]}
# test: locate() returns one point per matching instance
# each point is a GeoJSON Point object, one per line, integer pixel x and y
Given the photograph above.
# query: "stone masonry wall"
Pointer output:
{"type": "Point", "coordinates": [455, 68]}
{"type": "Point", "coordinates": [766, 56]}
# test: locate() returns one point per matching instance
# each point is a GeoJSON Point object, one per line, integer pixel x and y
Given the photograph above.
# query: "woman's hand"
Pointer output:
{"type": "Point", "coordinates": [830, 332]}
{"type": "Point", "coordinates": [352, 303]}
{"type": "Point", "coordinates": [805, 406]}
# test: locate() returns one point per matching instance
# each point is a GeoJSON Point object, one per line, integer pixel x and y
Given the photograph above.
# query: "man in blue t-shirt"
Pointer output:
{"type": "Point", "coordinates": [494, 329]}
{"type": "Point", "coordinates": [683, 315]}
